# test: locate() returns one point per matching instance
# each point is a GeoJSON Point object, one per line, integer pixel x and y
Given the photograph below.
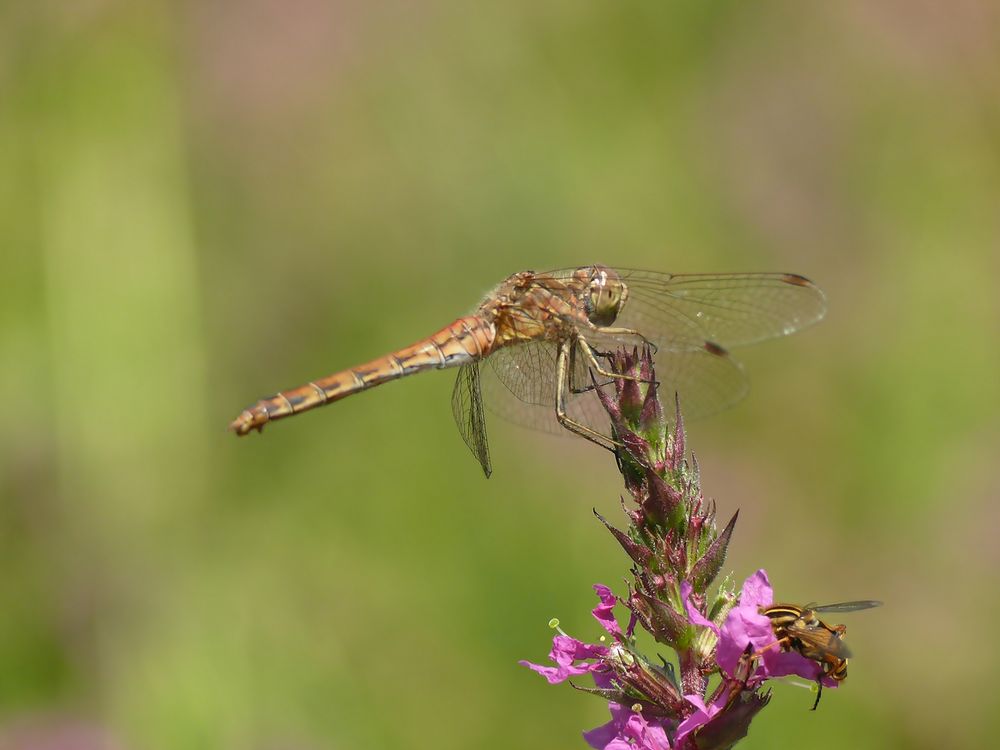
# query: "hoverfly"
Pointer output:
{"type": "Point", "coordinates": [799, 629]}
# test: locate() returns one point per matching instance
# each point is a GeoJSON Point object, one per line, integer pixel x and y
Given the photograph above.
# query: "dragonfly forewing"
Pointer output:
{"type": "Point", "coordinates": [731, 310]}
{"type": "Point", "coordinates": [683, 311]}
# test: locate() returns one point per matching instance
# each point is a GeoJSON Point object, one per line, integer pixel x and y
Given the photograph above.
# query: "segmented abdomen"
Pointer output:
{"type": "Point", "coordinates": [466, 339]}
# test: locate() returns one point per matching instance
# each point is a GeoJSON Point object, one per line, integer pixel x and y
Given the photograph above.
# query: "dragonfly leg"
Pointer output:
{"type": "Point", "coordinates": [600, 370]}
{"type": "Point", "coordinates": [562, 376]}
{"type": "Point", "coordinates": [612, 331]}
{"type": "Point", "coordinates": [577, 388]}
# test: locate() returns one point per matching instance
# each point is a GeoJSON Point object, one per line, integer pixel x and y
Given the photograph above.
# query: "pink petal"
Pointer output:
{"type": "Point", "coordinates": [628, 730]}
{"type": "Point", "coordinates": [693, 614]}
{"type": "Point", "coordinates": [565, 651]}
{"type": "Point", "coordinates": [603, 611]}
{"type": "Point", "coordinates": [601, 737]}
{"type": "Point", "coordinates": [745, 625]}
{"type": "Point", "coordinates": [649, 736]}
{"type": "Point", "coordinates": [782, 664]}
{"type": "Point", "coordinates": [757, 591]}
{"type": "Point", "coordinates": [700, 716]}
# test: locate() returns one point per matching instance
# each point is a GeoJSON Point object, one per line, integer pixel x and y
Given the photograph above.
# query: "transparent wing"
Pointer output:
{"type": "Point", "coordinates": [467, 406]}
{"type": "Point", "coordinates": [527, 371]}
{"type": "Point", "coordinates": [820, 639]}
{"type": "Point", "coordinates": [684, 311]}
{"type": "Point", "coordinates": [726, 309]}
{"type": "Point", "coordinates": [519, 382]}
{"type": "Point", "coordinates": [705, 377]}
{"type": "Point", "coordinates": [706, 380]}
{"type": "Point", "coordinates": [847, 606]}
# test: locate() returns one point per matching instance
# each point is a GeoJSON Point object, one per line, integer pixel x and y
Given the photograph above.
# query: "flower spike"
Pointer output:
{"type": "Point", "coordinates": [676, 554]}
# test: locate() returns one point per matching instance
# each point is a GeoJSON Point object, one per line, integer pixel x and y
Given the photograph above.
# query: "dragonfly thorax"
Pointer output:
{"type": "Point", "coordinates": [604, 296]}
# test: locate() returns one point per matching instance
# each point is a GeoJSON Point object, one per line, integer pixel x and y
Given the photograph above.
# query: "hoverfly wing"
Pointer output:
{"type": "Point", "coordinates": [838, 648]}
{"type": "Point", "coordinates": [845, 606]}
{"type": "Point", "coordinates": [817, 641]}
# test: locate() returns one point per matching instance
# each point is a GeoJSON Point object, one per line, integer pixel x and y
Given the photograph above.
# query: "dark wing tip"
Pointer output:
{"type": "Point", "coordinates": [797, 280]}
{"type": "Point", "coordinates": [712, 348]}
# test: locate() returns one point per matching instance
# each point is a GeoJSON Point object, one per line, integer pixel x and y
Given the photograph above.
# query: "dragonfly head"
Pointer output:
{"type": "Point", "coordinates": [605, 295]}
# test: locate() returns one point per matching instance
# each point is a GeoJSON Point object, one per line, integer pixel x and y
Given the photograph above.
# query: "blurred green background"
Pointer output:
{"type": "Point", "coordinates": [204, 202]}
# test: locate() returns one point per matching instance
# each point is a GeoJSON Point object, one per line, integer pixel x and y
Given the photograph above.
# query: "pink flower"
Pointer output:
{"type": "Point", "coordinates": [565, 653]}
{"type": "Point", "coordinates": [701, 715]}
{"type": "Point", "coordinates": [629, 730]}
{"type": "Point", "coordinates": [746, 626]}
{"type": "Point", "coordinates": [603, 611]}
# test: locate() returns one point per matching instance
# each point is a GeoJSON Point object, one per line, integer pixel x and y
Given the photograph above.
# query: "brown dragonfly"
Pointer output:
{"type": "Point", "coordinates": [538, 346]}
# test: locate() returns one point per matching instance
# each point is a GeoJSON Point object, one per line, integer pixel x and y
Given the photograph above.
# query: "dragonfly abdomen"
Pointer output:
{"type": "Point", "coordinates": [463, 341]}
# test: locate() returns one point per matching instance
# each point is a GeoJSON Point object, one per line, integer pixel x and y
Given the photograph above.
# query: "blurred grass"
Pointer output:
{"type": "Point", "coordinates": [206, 203]}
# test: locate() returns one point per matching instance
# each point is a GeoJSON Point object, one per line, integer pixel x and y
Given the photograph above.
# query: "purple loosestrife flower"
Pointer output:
{"type": "Point", "coordinates": [645, 702]}
{"type": "Point", "coordinates": [747, 630]}
{"type": "Point", "coordinates": [676, 553]}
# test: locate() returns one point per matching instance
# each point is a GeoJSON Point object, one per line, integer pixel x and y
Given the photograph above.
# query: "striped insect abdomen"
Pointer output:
{"type": "Point", "coordinates": [465, 340]}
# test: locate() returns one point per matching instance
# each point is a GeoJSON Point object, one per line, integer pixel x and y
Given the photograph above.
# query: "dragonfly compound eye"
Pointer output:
{"type": "Point", "coordinates": [606, 294]}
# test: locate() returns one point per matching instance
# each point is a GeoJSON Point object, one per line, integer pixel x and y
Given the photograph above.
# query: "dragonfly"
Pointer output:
{"type": "Point", "coordinates": [538, 345]}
